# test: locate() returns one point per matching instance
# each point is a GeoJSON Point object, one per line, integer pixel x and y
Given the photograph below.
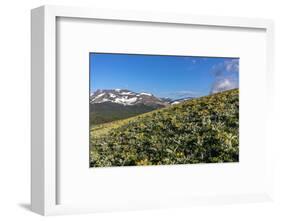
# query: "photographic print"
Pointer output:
{"type": "Point", "coordinates": [163, 110]}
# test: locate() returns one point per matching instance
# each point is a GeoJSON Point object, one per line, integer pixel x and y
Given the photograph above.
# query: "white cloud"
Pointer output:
{"type": "Point", "coordinates": [223, 84]}
{"type": "Point", "coordinates": [226, 76]}
{"type": "Point", "coordinates": [232, 65]}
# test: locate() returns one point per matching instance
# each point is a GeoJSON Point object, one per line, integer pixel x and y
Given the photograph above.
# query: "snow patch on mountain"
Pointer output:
{"type": "Point", "coordinates": [126, 100]}
{"type": "Point", "coordinates": [180, 100]}
{"type": "Point", "coordinates": [126, 93]}
{"type": "Point", "coordinates": [147, 94]}
{"type": "Point", "coordinates": [98, 96]}
{"type": "Point", "coordinates": [112, 95]}
{"type": "Point", "coordinates": [104, 100]}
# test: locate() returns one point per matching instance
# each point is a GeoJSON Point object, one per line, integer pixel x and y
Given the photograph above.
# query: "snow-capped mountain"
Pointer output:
{"type": "Point", "coordinates": [108, 105]}
{"type": "Point", "coordinates": [177, 101]}
{"type": "Point", "coordinates": [125, 97]}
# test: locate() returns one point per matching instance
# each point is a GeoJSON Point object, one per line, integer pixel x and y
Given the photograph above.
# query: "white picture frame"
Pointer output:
{"type": "Point", "coordinates": [44, 157]}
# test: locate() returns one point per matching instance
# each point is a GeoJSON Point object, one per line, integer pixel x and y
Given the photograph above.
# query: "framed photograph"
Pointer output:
{"type": "Point", "coordinates": [136, 110]}
{"type": "Point", "coordinates": [163, 110]}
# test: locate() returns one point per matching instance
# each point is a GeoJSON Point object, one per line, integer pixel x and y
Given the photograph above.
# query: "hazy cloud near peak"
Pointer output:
{"type": "Point", "coordinates": [226, 76]}
{"type": "Point", "coordinates": [224, 84]}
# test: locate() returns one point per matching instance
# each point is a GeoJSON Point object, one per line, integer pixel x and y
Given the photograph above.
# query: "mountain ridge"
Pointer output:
{"type": "Point", "coordinates": [128, 97]}
{"type": "Point", "coordinates": [107, 105]}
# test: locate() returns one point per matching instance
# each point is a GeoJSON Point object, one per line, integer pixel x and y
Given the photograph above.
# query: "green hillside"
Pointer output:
{"type": "Point", "coordinates": [203, 130]}
{"type": "Point", "coordinates": [107, 112]}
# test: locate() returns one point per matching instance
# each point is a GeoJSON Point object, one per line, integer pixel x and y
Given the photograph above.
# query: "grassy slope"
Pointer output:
{"type": "Point", "coordinates": [108, 112]}
{"type": "Point", "coordinates": [202, 130]}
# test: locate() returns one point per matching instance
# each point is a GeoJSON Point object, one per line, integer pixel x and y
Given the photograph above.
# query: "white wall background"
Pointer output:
{"type": "Point", "coordinates": [15, 107]}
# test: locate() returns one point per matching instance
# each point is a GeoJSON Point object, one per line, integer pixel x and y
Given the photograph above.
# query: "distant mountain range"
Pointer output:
{"type": "Point", "coordinates": [177, 101]}
{"type": "Point", "coordinates": [126, 97]}
{"type": "Point", "coordinates": [114, 104]}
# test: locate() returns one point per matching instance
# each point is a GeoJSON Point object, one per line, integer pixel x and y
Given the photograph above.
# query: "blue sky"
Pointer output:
{"type": "Point", "coordinates": [163, 76]}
